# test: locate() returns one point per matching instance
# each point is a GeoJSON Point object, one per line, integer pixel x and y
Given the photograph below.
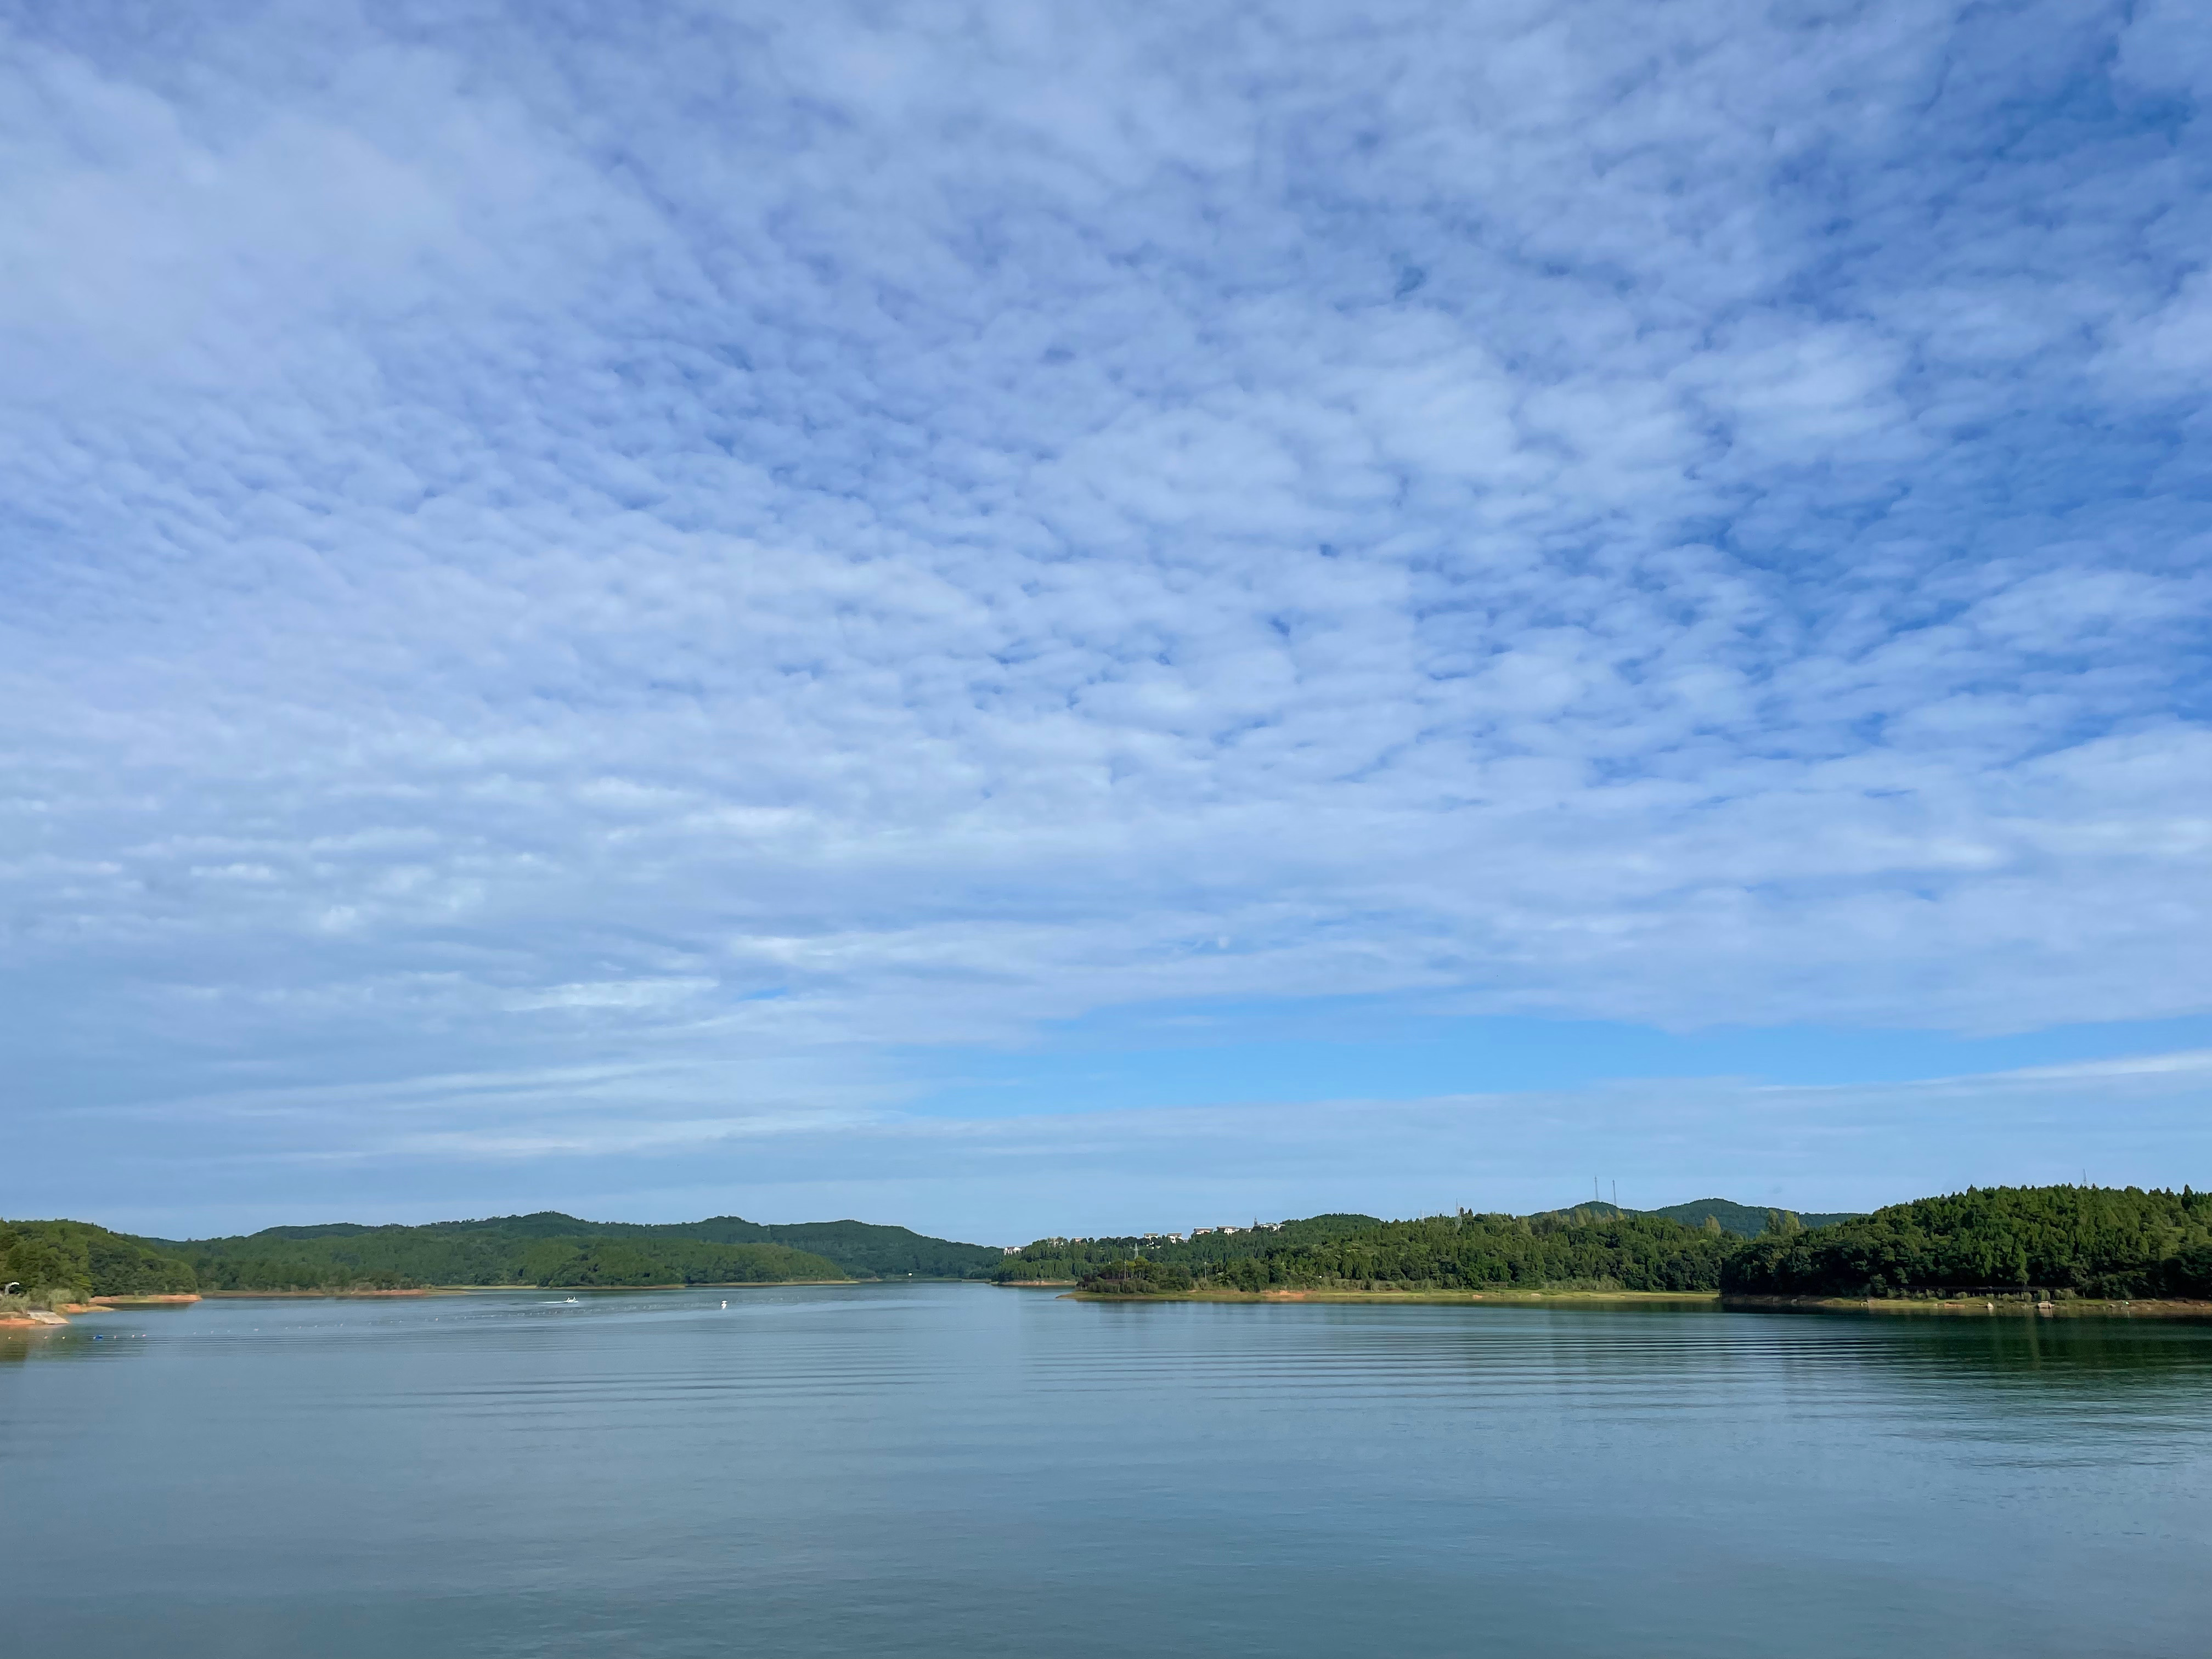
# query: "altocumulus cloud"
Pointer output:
{"type": "Point", "coordinates": [580, 579]}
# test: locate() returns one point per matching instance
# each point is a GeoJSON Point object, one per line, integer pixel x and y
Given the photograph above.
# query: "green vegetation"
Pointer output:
{"type": "Point", "coordinates": [1595, 1248]}
{"type": "Point", "coordinates": [566, 1262]}
{"type": "Point", "coordinates": [57, 1262]}
{"type": "Point", "coordinates": [1742, 1219]}
{"type": "Point", "coordinates": [1137, 1278]}
{"type": "Point", "coordinates": [555, 1250]}
{"type": "Point", "coordinates": [2064, 1241]}
{"type": "Point", "coordinates": [2068, 1240]}
{"type": "Point", "coordinates": [2082, 1241]}
{"type": "Point", "coordinates": [1070, 1259]}
{"type": "Point", "coordinates": [1467, 1251]}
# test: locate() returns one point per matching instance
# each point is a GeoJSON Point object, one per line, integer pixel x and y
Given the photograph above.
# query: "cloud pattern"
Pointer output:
{"type": "Point", "coordinates": [721, 541]}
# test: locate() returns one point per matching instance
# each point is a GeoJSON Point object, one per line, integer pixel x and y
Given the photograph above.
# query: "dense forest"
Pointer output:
{"type": "Point", "coordinates": [1137, 1277]}
{"type": "Point", "coordinates": [1598, 1246]}
{"type": "Point", "coordinates": [1211, 1254]}
{"type": "Point", "coordinates": [1063, 1260]}
{"type": "Point", "coordinates": [1467, 1251]}
{"type": "Point", "coordinates": [1742, 1219]}
{"type": "Point", "coordinates": [55, 1262]}
{"type": "Point", "coordinates": [1569, 1250]}
{"type": "Point", "coordinates": [567, 1262]}
{"type": "Point", "coordinates": [2086, 1241]}
{"type": "Point", "coordinates": [549, 1249]}
{"type": "Point", "coordinates": [2062, 1241]}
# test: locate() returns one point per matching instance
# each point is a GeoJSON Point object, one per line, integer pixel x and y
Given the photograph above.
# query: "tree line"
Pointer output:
{"type": "Point", "coordinates": [76, 1259]}
{"type": "Point", "coordinates": [53, 1263]}
{"type": "Point", "coordinates": [2079, 1240]}
{"type": "Point", "coordinates": [2015, 1241]}
{"type": "Point", "coordinates": [547, 1250]}
{"type": "Point", "coordinates": [1467, 1251]}
{"type": "Point", "coordinates": [1050, 1259]}
{"type": "Point", "coordinates": [2060, 1241]}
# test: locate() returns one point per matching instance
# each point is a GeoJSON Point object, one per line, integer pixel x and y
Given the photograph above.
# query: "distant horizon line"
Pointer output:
{"type": "Point", "coordinates": [1186, 1233]}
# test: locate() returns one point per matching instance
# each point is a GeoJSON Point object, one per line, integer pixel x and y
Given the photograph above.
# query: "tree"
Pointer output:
{"type": "Point", "coordinates": [1136, 1277]}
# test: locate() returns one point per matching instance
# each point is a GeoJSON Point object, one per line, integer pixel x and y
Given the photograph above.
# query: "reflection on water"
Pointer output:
{"type": "Point", "coordinates": [937, 1469]}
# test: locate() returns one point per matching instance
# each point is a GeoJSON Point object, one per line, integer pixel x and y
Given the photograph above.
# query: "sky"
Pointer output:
{"type": "Point", "coordinates": [1026, 619]}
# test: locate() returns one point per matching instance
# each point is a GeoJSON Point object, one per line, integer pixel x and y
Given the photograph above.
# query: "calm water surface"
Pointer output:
{"type": "Point", "coordinates": [957, 1470]}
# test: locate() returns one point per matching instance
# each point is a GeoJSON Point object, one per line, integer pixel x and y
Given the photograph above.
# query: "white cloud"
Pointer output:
{"type": "Point", "coordinates": [928, 519]}
{"type": "Point", "coordinates": [2166, 47]}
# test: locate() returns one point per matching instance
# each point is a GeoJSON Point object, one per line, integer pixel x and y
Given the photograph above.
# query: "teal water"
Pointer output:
{"type": "Point", "coordinates": [957, 1470]}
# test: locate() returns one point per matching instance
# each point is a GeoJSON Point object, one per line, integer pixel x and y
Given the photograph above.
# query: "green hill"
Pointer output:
{"type": "Point", "coordinates": [2092, 1241]}
{"type": "Point", "coordinates": [1304, 1248]}
{"type": "Point", "coordinates": [1744, 1220]}
{"type": "Point", "coordinates": [1597, 1246]}
{"type": "Point", "coordinates": [2098, 1242]}
{"type": "Point", "coordinates": [75, 1258]}
{"type": "Point", "coordinates": [1054, 1259]}
{"type": "Point", "coordinates": [550, 1248]}
{"type": "Point", "coordinates": [1466, 1251]}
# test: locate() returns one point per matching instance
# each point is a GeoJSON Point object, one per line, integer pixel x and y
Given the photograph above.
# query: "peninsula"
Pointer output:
{"type": "Point", "coordinates": [2042, 1244]}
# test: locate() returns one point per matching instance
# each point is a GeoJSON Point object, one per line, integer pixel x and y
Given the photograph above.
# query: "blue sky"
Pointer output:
{"type": "Point", "coordinates": [1028, 618]}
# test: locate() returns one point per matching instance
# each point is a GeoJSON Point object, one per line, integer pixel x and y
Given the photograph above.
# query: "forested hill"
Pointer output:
{"type": "Point", "coordinates": [1575, 1250]}
{"type": "Point", "coordinates": [550, 1248]}
{"type": "Point", "coordinates": [1052, 1260]}
{"type": "Point", "coordinates": [61, 1262]}
{"type": "Point", "coordinates": [2060, 1241]}
{"type": "Point", "coordinates": [2088, 1241]}
{"type": "Point", "coordinates": [1300, 1247]}
{"type": "Point", "coordinates": [1744, 1220]}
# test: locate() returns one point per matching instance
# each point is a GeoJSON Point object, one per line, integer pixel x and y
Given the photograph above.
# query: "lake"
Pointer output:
{"type": "Point", "coordinates": [955, 1469]}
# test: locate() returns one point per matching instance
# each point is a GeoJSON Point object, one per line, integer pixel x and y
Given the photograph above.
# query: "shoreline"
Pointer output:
{"type": "Point", "coordinates": [1983, 1307]}
{"type": "Point", "coordinates": [42, 1321]}
{"type": "Point", "coordinates": [1452, 1298]}
{"type": "Point", "coordinates": [162, 1299]}
{"type": "Point", "coordinates": [1986, 1306]}
{"type": "Point", "coordinates": [471, 1290]}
